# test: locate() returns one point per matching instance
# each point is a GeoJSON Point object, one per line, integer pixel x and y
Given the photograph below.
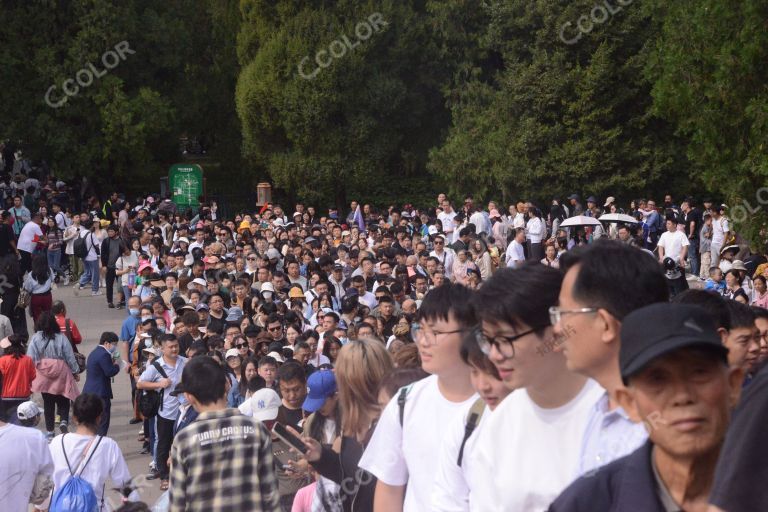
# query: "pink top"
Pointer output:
{"type": "Point", "coordinates": [302, 502]}
{"type": "Point", "coordinates": [761, 302]}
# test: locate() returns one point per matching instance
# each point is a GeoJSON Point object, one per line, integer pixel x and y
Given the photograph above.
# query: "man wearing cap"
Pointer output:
{"type": "Point", "coordinates": [576, 208]}
{"type": "Point", "coordinates": [101, 366]}
{"type": "Point", "coordinates": [608, 202]}
{"type": "Point", "coordinates": [679, 385]}
{"type": "Point", "coordinates": [223, 460]}
{"type": "Point", "coordinates": [27, 464]}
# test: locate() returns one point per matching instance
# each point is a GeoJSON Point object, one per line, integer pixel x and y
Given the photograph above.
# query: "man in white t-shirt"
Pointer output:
{"type": "Point", "coordinates": [528, 451]}
{"type": "Point", "coordinates": [673, 243]}
{"type": "Point", "coordinates": [600, 288]}
{"type": "Point", "coordinates": [446, 217]}
{"type": "Point", "coordinates": [444, 255]}
{"type": "Point", "coordinates": [407, 439]}
{"type": "Point", "coordinates": [457, 470]}
{"type": "Point", "coordinates": [29, 237]}
{"type": "Point", "coordinates": [30, 471]}
{"type": "Point", "coordinates": [515, 252]}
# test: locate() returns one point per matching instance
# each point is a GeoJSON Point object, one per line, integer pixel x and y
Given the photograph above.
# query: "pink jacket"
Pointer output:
{"type": "Point", "coordinates": [55, 377]}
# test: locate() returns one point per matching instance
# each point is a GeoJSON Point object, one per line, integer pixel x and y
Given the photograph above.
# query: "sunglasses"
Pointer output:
{"type": "Point", "coordinates": [251, 259]}
{"type": "Point", "coordinates": [241, 345]}
{"type": "Point", "coordinates": [274, 328]}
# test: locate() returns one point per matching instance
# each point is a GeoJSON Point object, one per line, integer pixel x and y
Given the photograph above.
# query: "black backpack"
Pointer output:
{"type": "Point", "coordinates": [150, 400]}
{"type": "Point", "coordinates": [80, 247]}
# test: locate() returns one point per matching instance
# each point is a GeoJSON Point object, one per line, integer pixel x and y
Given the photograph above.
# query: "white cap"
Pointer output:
{"type": "Point", "coordinates": [264, 404]}
{"type": "Point", "coordinates": [278, 357]}
{"type": "Point", "coordinates": [233, 352]}
{"type": "Point", "coordinates": [267, 287]}
{"type": "Point", "coordinates": [28, 410]}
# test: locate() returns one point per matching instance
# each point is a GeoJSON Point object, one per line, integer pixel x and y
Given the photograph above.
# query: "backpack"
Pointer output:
{"type": "Point", "coordinates": [473, 418]}
{"type": "Point", "coordinates": [76, 495]}
{"type": "Point", "coordinates": [150, 400]}
{"type": "Point", "coordinates": [80, 247]}
{"type": "Point", "coordinates": [401, 399]}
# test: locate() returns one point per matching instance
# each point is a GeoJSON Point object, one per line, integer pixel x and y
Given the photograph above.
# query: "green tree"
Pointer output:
{"type": "Point", "coordinates": [709, 71]}
{"type": "Point", "coordinates": [558, 115]}
{"type": "Point", "coordinates": [361, 126]}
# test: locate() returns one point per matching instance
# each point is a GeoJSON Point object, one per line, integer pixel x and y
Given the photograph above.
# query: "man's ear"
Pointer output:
{"type": "Point", "coordinates": [610, 327]}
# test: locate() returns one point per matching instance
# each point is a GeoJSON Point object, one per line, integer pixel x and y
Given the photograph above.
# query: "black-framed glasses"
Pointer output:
{"type": "Point", "coordinates": [420, 334]}
{"type": "Point", "coordinates": [241, 345]}
{"type": "Point", "coordinates": [556, 314]}
{"type": "Point", "coordinates": [274, 329]}
{"type": "Point", "coordinates": [487, 343]}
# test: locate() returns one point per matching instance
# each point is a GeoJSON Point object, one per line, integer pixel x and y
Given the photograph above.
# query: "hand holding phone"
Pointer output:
{"type": "Point", "coordinates": [290, 439]}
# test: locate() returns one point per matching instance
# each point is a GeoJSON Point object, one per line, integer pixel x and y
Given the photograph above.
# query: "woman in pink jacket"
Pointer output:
{"type": "Point", "coordinates": [56, 371]}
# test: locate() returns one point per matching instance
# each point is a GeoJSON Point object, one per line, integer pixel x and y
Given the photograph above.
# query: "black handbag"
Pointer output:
{"type": "Point", "coordinates": [150, 400]}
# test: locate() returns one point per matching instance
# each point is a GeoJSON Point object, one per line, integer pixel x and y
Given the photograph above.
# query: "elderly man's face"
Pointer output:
{"type": "Point", "coordinates": [684, 399]}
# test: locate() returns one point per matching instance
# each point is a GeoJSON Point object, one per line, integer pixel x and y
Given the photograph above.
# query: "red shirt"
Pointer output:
{"type": "Point", "coordinates": [77, 338]}
{"type": "Point", "coordinates": [18, 375]}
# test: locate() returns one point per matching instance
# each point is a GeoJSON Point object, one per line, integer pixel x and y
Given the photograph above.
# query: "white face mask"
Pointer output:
{"type": "Point", "coordinates": [145, 318]}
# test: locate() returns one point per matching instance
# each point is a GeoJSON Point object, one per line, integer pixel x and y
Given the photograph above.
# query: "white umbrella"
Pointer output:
{"type": "Point", "coordinates": [618, 217]}
{"type": "Point", "coordinates": [579, 220]}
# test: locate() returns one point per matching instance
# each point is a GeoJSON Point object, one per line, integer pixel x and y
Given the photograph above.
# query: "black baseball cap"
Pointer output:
{"type": "Point", "coordinates": [654, 331]}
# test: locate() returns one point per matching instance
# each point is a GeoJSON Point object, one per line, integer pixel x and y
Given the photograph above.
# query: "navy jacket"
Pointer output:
{"type": "Point", "coordinates": [100, 371]}
{"type": "Point", "coordinates": [624, 485]}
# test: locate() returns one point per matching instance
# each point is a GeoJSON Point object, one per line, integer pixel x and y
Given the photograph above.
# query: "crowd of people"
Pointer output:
{"type": "Point", "coordinates": [419, 359]}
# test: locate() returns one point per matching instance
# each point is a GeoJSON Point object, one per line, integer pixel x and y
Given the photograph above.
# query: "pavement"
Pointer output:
{"type": "Point", "coordinates": [93, 318]}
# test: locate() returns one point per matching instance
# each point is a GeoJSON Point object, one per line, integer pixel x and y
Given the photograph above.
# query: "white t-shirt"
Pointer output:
{"type": "Point", "coordinates": [25, 455]}
{"type": "Point", "coordinates": [515, 253]}
{"type": "Point", "coordinates": [452, 491]}
{"type": "Point", "coordinates": [719, 227]}
{"type": "Point", "coordinates": [27, 237]}
{"type": "Point", "coordinates": [107, 462]}
{"type": "Point", "coordinates": [91, 242]}
{"type": "Point", "coordinates": [406, 455]}
{"type": "Point", "coordinates": [534, 230]}
{"type": "Point", "coordinates": [526, 455]}
{"type": "Point", "coordinates": [673, 243]}
{"type": "Point", "coordinates": [447, 220]}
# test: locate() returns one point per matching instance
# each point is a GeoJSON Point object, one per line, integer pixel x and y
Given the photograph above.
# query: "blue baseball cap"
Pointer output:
{"type": "Point", "coordinates": [320, 386]}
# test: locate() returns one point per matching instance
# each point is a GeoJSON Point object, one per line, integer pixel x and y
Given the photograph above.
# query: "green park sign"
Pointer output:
{"type": "Point", "coordinates": [186, 184]}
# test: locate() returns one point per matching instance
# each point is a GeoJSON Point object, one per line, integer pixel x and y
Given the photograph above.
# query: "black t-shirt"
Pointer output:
{"type": "Point", "coordinates": [696, 217]}
{"type": "Point", "coordinates": [743, 465]}
{"type": "Point", "coordinates": [216, 324]}
{"type": "Point", "coordinates": [290, 417]}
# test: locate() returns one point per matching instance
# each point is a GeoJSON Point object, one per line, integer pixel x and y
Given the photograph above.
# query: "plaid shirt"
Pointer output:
{"type": "Point", "coordinates": [223, 461]}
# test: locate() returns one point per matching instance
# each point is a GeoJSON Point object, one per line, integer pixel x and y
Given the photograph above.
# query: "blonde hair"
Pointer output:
{"type": "Point", "coordinates": [360, 368]}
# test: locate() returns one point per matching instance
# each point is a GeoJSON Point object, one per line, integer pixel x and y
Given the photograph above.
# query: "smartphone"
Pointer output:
{"type": "Point", "coordinates": [280, 431]}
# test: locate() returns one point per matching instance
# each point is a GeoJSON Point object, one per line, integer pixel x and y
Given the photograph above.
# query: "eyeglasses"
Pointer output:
{"type": "Point", "coordinates": [556, 314]}
{"type": "Point", "coordinates": [273, 329]}
{"type": "Point", "coordinates": [439, 242]}
{"type": "Point", "coordinates": [421, 334]}
{"type": "Point", "coordinates": [251, 259]}
{"type": "Point", "coordinates": [241, 345]}
{"type": "Point", "coordinates": [486, 343]}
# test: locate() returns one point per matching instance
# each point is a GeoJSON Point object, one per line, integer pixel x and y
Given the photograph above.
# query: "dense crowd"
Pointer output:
{"type": "Point", "coordinates": [436, 358]}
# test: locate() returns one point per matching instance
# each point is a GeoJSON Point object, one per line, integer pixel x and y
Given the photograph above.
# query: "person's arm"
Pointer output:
{"type": "Point", "coordinates": [178, 481]}
{"type": "Point", "coordinates": [69, 354]}
{"type": "Point", "coordinates": [388, 498]}
{"type": "Point", "coordinates": [110, 369]}
{"type": "Point", "coordinates": [684, 252]}
{"type": "Point", "coordinates": [660, 247]}
{"type": "Point", "coordinates": [33, 350]}
{"type": "Point", "coordinates": [77, 338]}
{"type": "Point", "coordinates": [149, 380]}
{"type": "Point", "coordinates": [270, 496]}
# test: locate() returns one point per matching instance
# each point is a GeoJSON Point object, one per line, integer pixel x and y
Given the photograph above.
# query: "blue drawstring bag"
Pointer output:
{"type": "Point", "coordinates": [76, 495]}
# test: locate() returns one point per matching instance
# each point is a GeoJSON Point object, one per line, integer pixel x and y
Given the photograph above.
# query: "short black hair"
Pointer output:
{"type": "Point", "coordinates": [741, 315]}
{"type": "Point", "coordinates": [521, 294]}
{"type": "Point", "coordinates": [615, 277]}
{"type": "Point", "coordinates": [87, 408]}
{"type": "Point", "coordinates": [446, 300]}
{"type": "Point", "coordinates": [713, 303]}
{"type": "Point", "coordinates": [108, 337]}
{"type": "Point", "coordinates": [760, 312]}
{"type": "Point", "coordinates": [164, 338]}
{"type": "Point", "coordinates": [291, 371]}
{"type": "Point", "coordinates": [205, 379]}
{"type": "Point", "coordinates": [472, 355]}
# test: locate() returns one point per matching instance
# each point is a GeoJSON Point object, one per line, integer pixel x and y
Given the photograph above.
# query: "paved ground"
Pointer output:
{"type": "Point", "coordinates": [93, 317]}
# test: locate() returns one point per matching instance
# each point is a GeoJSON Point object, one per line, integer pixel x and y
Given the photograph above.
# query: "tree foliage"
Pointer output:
{"type": "Point", "coordinates": [709, 72]}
